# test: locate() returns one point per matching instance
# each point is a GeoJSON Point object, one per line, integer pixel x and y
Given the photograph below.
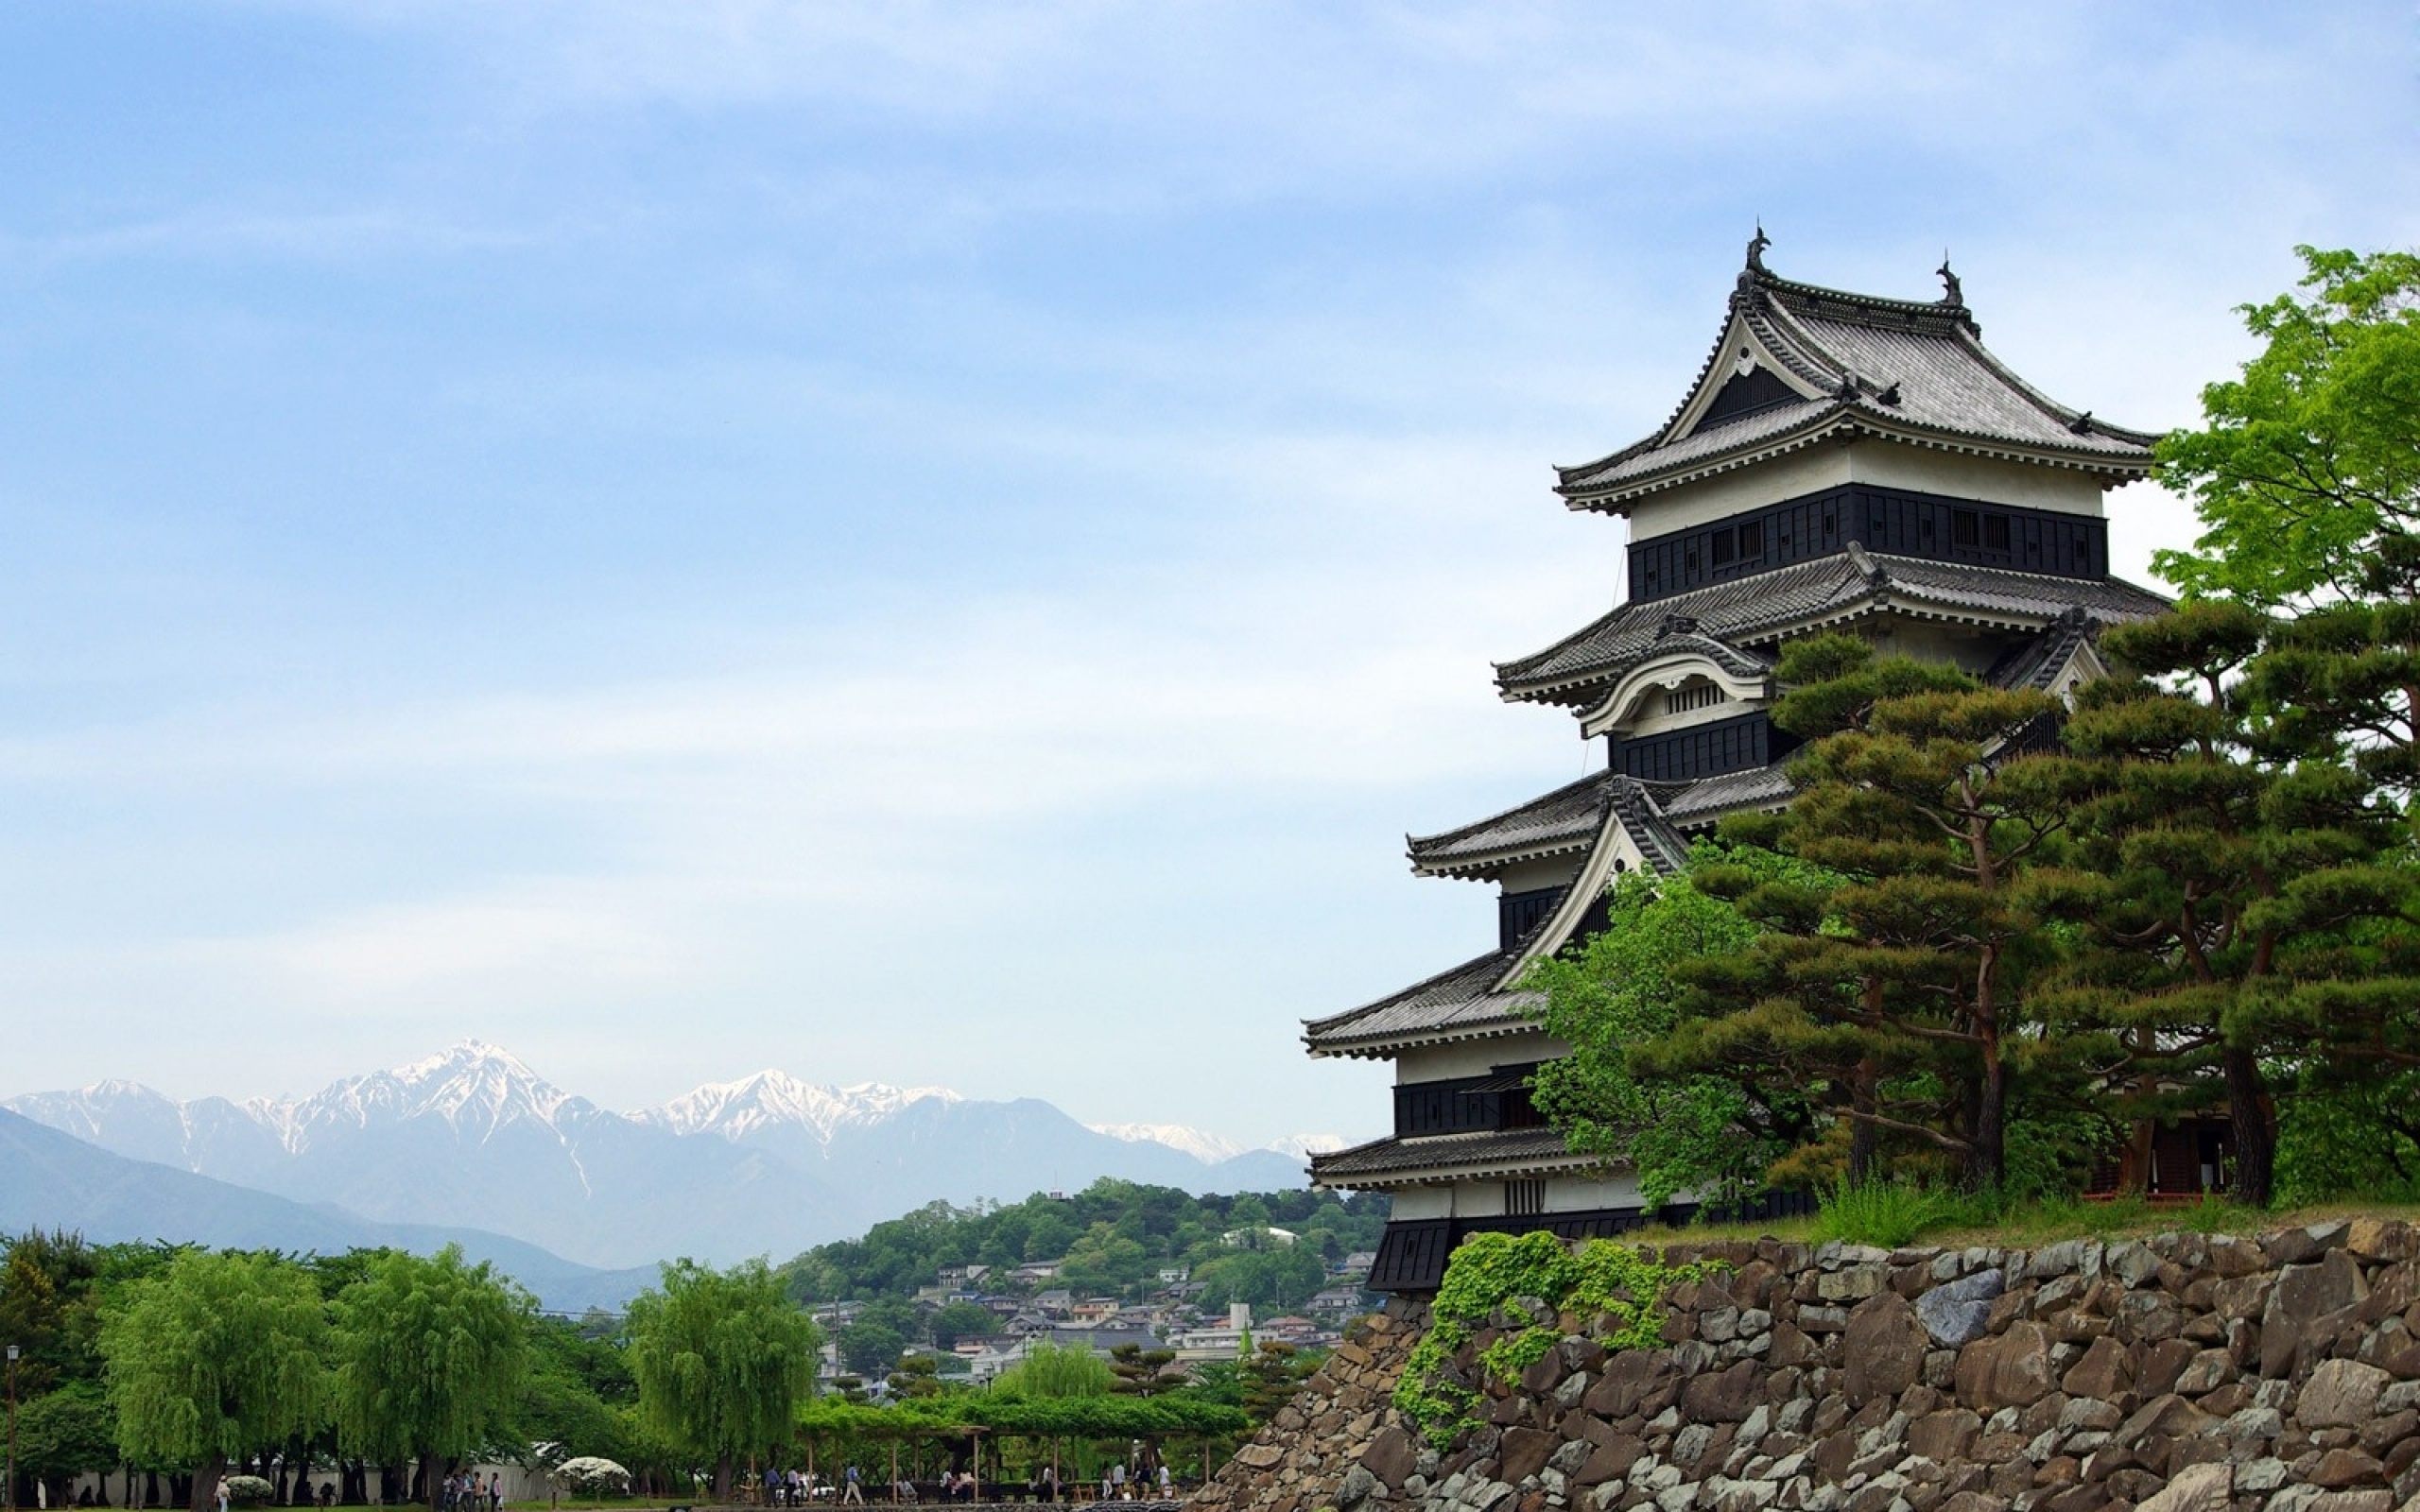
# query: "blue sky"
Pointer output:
{"type": "Point", "coordinates": [945, 544]}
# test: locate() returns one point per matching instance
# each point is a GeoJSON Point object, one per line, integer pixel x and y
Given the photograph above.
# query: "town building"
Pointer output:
{"type": "Point", "coordinates": [1842, 462]}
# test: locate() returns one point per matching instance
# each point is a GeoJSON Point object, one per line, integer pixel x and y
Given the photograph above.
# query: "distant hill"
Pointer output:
{"type": "Point", "coordinates": [473, 1138]}
{"type": "Point", "coordinates": [50, 1179]}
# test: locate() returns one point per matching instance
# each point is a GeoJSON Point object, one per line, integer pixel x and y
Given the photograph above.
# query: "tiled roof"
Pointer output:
{"type": "Point", "coordinates": [1388, 1161]}
{"type": "Point", "coordinates": [1709, 798]}
{"type": "Point", "coordinates": [1459, 1004]}
{"type": "Point", "coordinates": [2037, 662]}
{"type": "Point", "coordinates": [1642, 820]}
{"type": "Point", "coordinates": [1565, 819]}
{"type": "Point", "coordinates": [1889, 366]}
{"type": "Point", "coordinates": [1760, 609]}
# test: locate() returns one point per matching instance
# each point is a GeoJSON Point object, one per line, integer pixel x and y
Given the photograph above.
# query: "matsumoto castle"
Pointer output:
{"type": "Point", "coordinates": [1841, 462]}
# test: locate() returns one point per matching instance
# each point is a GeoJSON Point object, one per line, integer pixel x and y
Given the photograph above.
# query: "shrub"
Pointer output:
{"type": "Point", "coordinates": [1888, 1213]}
{"type": "Point", "coordinates": [589, 1475]}
{"type": "Point", "coordinates": [1528, 1280]}
{"type": "Point", "coordinates": [247, 1490]}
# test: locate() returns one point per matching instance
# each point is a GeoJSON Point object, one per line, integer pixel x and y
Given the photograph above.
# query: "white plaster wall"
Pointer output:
{"type": "Point", "coordinates": [1531, 875]}
{"type": "Point", "coordinates": [1475, 1057]}
{"type": "Point", "coordinates": [1422, 1202]}
{"type": "Point", "coordinates": [1867, 459]}
{"type": "Point", "coordinates": [1579, 1193]}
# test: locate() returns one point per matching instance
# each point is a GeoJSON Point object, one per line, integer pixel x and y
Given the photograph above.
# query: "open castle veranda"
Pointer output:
{"type": "Point", "coordinates": [1841, 462]}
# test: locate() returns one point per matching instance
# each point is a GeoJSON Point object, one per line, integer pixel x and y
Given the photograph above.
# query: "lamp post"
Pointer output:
{"type": "Point", "coordinates": [12, 1428]}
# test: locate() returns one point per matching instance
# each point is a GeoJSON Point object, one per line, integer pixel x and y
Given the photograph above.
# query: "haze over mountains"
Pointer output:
{"type": "Point", "coordinates": [473, 1138]}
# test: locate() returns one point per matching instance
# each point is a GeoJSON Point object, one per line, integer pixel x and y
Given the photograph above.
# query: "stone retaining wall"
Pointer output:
{"type": "Point", "coordinates": [2184, 1373]}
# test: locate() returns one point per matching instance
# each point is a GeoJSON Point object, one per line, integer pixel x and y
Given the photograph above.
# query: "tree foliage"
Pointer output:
{"type": "Point", "coordinates": [217, 1357]}
{"type": "Point", "coordinates": [2310, 456]}
{"type": "Point", "coordinates": [1113, 1239]}
{"type": "Point", "coordinates": [433, 1357]}
{"type": "Point", "coordinates": [722, 1359]}
{"type": "Point", "coordinates": [1710, 1132]}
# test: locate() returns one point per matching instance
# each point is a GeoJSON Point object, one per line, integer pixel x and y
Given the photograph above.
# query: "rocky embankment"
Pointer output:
{"type": "Point", "coordinates": [2184, 1373]}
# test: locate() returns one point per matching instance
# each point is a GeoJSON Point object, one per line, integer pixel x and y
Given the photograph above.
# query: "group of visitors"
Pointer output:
{"type": "Point", "coordinates": [466, 1493]}
{"type": "Point", "coordinates": [800, 1488]}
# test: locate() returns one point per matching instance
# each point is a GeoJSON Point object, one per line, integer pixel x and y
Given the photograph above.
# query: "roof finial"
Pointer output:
{"type": "Point", "coordinates": [1757, 247]}
{"type": "Point", "coordinates": [1951, 293]}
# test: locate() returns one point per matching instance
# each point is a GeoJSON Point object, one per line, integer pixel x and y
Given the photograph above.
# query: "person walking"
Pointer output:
{"type": "Point", "coordinates": [852, 1493]}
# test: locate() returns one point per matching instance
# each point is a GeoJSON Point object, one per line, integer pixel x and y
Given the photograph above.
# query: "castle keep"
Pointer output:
{"type": "Point", "coordinates": [1841, 462]}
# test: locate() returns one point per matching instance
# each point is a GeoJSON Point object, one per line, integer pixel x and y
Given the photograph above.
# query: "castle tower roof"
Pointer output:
{"type": "Point", "coordinates": [1798, 364]}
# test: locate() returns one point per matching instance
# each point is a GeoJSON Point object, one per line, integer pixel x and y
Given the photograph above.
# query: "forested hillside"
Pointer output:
{"type": "Point", "coordinates": [1114, 1238]}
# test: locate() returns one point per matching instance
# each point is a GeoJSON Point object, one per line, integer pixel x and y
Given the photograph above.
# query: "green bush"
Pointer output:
{"type": "Point", "coordinates": [1520, 1277]}
{"type": "Point", "coordinates": [1890, 1213]}
{"type": "Point", "coordinates": [247, 1490]}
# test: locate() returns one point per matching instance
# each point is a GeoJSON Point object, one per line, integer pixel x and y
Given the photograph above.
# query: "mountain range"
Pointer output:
{"type": "Point", "coordinates": [473, 1139]}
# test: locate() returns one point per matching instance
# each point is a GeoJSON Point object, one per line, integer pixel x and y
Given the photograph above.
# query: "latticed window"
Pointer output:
{"type": "Point", "coordinates": [1524, 1200]}
{"type": "Point", "coordinates": [1696, 696]}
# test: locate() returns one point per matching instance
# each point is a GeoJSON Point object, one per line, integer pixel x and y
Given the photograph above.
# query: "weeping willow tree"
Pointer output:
{"type": "Point", "coordinates": [217, 1358]}
{"type": "Point", "coordinates": [432, 1356]}
{"type": "Point", "coordinates": [723, 1358]}
{"type": "Point", "coordinates": [1053, 1371]}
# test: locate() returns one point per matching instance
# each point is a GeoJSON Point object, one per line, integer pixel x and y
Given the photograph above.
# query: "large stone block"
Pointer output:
{"type": "Point", "coordinates": [1523, 1452]}
{"type": "Point", "coordinates": [2105, 1372]}
{"type": "Point", "coordinates": [1391, 1456]}
{"type": "Point", "coordinates": [1884, 1349]}
{"type": "Point", "coordinates": [1723, 1395]}
{"type": "Point", "coordinates": [1957, 1312]}
{"type": "Point", "coordinates": [2339, 1393]}
{"type": "Point", "coordinates": [2012, 1370]}
{"type": "Point", "coordinates": [2196, 1488]}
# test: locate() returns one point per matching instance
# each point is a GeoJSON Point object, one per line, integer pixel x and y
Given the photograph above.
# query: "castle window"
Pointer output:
{"type": "Point", "coordinates": [1752, 540]}
{"type": "Point", "coordinates": [1964, 527]}
{"type": "Point", "coordinates": [1720, 546]}
{"type": "Point", "coordinates": [1524, 1199]}
{"type": "Point", "coordinates": [1996, 532]}
{"type": "Point", "coordinates": [1696, 696]}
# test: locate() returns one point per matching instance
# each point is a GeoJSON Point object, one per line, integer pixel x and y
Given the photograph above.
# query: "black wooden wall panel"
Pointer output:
{"type": "Point", "coordinates": [1732, 744]}
{"type": "Point", "coordinates": [1891, 520]}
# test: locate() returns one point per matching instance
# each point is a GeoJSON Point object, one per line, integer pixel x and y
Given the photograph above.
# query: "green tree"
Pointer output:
{"type": "Point", "coordinates": [219, 1357]}
{"type": "Point", "coordinates": [1143, 1372]}
{"type": "Point", "coordinates": [434, 1356]}
{"type": "Point", "coordinates": [1713, 1132]}
{"type": "Point", "coordinates": [2310, 456]}
{"type": "Point", "coordinates": [2238, 899]}
{"type": "Point", "coordinates": [63, 1433]}
{"type": "Point", "coordinates": [1897, 992]}
{"type": "Point", "coordinates": [870, 1349]}
{"type": "Point", "coordinates": [1270, 1376]}
{"type": "Point", "coordinates": [1048, 1371]}
{"type": "Point", "coordinates": [962, 1320]}
{"type": "Point", "coordinates": [723, 1358]}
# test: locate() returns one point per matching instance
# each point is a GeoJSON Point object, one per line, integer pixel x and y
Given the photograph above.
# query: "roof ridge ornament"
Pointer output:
{"type": "Point", "coordinates": [2081, 425]}
{"type": "Point", "coordinates": [1677, 624]}
{"type": "Point", "coordinates": [1951, 293]}
{"type": "Point", "coordinates": [1756, 249]}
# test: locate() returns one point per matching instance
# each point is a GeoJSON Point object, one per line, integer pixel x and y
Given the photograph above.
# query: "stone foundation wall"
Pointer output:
{"type": "Point", "coordinates": [2184, 1373]}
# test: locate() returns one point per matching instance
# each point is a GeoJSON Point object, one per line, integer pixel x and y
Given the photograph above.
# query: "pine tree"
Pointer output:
{"type": "Point", "coordinates": [1899, 989]}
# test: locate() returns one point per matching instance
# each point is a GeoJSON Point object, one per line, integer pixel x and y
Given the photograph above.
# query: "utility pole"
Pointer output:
{"type": "Point", "coordinates": [12, 1428]}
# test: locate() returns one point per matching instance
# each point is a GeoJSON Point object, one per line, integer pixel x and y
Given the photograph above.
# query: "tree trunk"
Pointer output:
{"type": "Point", "coordinates": [2256, 1135]}
{"type": "Point", "coordinates": [430, 1487]}
{"type": "Point", "coordinates": [1987, 1162]}
{"type": "Point", "coordinates": [722, 1479]}
{"type": "Point", "coordinates": [1862, 1134]}
{"type": "Point", "coordinates": [205, 1483]}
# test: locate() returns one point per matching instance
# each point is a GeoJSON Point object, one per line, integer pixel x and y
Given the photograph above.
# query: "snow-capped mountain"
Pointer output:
{"type": "Point", "coordinates": [777, 1099]}
{"type": "Point", "coordinates": [1212, 1148]}
{"type": "Point", "coordinates": [474, 1138]}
